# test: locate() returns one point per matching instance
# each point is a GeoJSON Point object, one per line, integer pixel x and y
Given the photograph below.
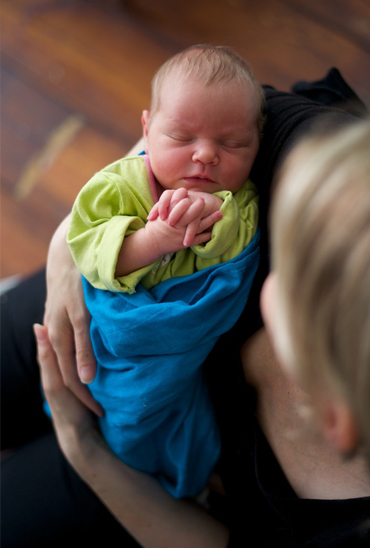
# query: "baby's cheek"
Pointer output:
{"type": "Point", "coordinates": [173, 163]}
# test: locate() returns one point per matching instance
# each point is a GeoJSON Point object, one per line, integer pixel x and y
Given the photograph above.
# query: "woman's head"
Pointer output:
{"type": "Point", "coordinates": [320, 230]}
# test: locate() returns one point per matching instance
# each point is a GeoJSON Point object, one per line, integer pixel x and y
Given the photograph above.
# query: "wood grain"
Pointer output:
{"type": "Point", "coordinates": [75, 77]}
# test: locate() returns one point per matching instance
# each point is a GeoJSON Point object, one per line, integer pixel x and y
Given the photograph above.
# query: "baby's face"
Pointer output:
{"type": "Point", "coordinates": [203, 138]}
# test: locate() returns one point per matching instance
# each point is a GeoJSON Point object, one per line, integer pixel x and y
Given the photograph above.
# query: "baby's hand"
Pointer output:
{"type": "Point", "coordinates": [197, 211]}
{"type": "Point", "coordinates": [212, 203]}
{"type": "Point", "coordinates": [164, 238]}
{"type": "Point", "coordinates": [171, 198]}
{"type": "Point", "coordinates": [166, 203]}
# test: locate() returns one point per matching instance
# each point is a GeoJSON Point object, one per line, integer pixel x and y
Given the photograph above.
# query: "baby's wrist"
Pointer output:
{"type": "Point", "coordinates": [153, 242]}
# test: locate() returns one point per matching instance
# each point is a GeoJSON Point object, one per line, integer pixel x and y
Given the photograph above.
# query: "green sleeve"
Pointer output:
{"type": "Point", "coordinates": [236, 229]}
{"type": "Point", "coordinates": [112, 205]}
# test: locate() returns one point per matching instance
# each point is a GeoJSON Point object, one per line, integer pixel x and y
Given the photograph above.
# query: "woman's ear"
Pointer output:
{"type": "Point", "coordinates": [268, 296]}
{"type": "Point", "coordinates": [145, 123]}
{"type": "Point", "coordinates": [339, 426]}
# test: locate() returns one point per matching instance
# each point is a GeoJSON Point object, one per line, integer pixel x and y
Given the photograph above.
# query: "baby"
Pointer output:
{"type": "Point", "coordinates": [172, 235]}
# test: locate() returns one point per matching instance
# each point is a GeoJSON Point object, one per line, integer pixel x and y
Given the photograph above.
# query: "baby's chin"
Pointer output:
{"type": "Point", "coordinates": [201, 184]}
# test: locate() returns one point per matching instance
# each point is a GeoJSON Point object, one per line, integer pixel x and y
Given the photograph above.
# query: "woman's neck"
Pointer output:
{"type": "Point", "coordinates": [312, 466]}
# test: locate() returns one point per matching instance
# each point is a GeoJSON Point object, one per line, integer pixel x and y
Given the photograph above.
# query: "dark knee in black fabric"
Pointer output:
{"type": "Point", "coordinates": [45, 503]}
{"type": "Point", "coordinates": [21, 403]}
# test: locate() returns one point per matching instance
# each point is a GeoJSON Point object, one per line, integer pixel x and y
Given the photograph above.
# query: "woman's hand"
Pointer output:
{"type": "Point", "coordinates": [74, 424]}
{"type": "Point", "coordinates": [68, 320]}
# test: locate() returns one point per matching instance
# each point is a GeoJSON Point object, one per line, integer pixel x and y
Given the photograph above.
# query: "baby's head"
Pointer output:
{"type": "Point", "coordinates": [320, 292]}
{"type": "Point", "coordinates": [206, 119]}
{"type": "Point", "coordinates": [209, 66]}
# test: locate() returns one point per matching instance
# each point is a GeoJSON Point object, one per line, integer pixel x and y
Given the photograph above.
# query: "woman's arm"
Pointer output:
{"type": "Point", "coordinates": [139, 503]}
{"type": "Point", "coordinates": [68, 319]}
{"type": "Point", "coordinates": [66, 315]}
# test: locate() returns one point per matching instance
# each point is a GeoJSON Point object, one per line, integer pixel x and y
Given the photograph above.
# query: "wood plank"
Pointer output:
{"type": "Point", "coordinates": [282, 44]}
{"type": "Point", "coordinates": [76, 75]}
{"type": "Point", "coordinates": [86, 58]}
{"type": "Point", "coordinates": [28, 223]}
{"type": "Point", "coordinates": [28, 118]}
{"type": "Point", "coordinates": [39, 180]}
{"type": "Point", "coordinates": [348, 18]}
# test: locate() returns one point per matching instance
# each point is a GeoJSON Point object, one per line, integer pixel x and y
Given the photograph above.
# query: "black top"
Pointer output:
{"type": "Point", "coordinates": [263, 510]}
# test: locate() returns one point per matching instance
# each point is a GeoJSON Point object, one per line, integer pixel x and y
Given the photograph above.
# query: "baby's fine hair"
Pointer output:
{"type": "Point", "coordinates": [209, 65]}
{"type": "Point", "coordinates": [321, 251]}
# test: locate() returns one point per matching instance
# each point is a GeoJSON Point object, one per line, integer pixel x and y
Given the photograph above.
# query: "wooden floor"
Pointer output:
{"type": "Point", "coordinates": [75, 76]}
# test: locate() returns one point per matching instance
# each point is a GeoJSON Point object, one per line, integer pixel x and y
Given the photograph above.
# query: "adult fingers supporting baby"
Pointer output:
{"type": "Point", "coordinates": [67, 319]}
{"type": "Point", "coordinates": [66, 408]}
{"type": "Point", "coordinates": [70, 340]}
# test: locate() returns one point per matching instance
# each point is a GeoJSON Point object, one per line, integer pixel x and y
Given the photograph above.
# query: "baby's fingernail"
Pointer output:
{"type": "Point", "coordinates": [87, 374]}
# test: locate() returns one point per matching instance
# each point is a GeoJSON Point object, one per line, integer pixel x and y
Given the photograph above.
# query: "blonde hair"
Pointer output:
{"type": "Point", "coordinates": [209, 65]}
{"type": "Point", "coordinates": [320, 229]}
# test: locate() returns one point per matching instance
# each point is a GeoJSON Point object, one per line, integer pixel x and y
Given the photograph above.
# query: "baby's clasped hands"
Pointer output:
{"type": "Point", "coordinates": [197, 211]}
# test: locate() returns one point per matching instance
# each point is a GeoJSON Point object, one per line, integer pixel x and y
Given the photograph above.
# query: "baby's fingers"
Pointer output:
{"type": "Point", "coordinates": [210, 220]}
{"type": "Point", "coordinates": [153, 213]}
{"type": "Point", "coordinates": [166, 203]}
{"type": "Point", "coordinates": [178, 211]}
{"type": "Point", "coordinates": [201, 238]}
{"type": "Point", "coordinates": [197, 232]}
{"type": "Point", "coordinates": [161, 208]}
{"type": "Point", "coordinates": [178, 195]}
{"type": "Point", "coordinates": [191, 230]}
{"type": "Point", "coordinates": [189, 212]}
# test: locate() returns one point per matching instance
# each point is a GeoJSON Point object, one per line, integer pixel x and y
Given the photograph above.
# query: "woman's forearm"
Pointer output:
{"type": "Point", "coordinates": [67, 318]}
{"type": "Point", "coordinates": [142, 506]}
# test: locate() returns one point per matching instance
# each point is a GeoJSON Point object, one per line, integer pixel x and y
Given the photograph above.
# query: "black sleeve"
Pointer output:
{"type": "Point", "coordinates": [290, 116]}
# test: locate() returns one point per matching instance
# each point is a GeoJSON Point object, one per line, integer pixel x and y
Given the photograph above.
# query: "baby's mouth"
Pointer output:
{"type": "Point", "coordinates": [199, 179]}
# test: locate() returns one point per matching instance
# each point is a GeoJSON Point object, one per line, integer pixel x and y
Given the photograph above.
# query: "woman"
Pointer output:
{"type": "Point", "coordinates": [248, 466]}
{"type": "Point", "coordinates": [316, 302]}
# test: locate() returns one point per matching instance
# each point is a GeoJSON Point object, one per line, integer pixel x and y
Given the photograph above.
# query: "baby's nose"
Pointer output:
{"type": "Point", "coordinates": [206, 152]}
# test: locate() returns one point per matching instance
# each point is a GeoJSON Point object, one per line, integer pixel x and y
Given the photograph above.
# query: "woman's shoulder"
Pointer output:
{"type": "Point", "coordinates": [289, 114]}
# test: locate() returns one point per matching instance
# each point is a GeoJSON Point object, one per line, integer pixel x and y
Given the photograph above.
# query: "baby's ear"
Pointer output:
{"type": "Point", "coordinates": [145, 123]}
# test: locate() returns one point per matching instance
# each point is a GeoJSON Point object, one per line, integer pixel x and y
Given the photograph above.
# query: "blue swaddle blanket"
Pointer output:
{"type": "Point", "coordinates": [150, 347]}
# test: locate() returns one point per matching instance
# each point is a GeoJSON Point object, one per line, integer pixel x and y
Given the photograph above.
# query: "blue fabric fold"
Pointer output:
{"type": "Point", "coordinates": [150, 347]}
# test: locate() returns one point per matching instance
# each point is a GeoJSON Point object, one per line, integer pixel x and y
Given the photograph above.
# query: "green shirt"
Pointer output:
{"type": "Point", "coordinates": [116, 202]}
